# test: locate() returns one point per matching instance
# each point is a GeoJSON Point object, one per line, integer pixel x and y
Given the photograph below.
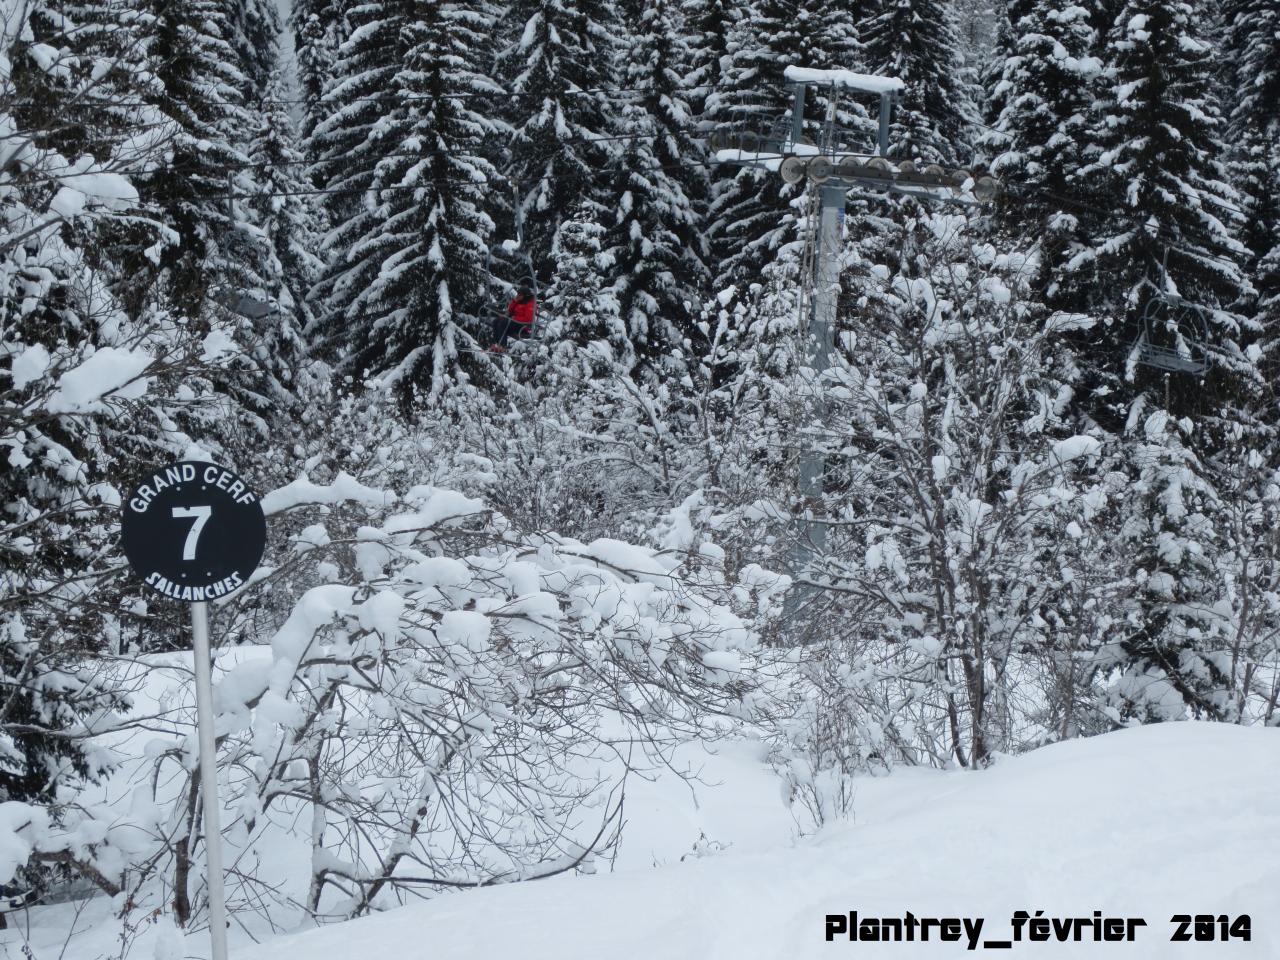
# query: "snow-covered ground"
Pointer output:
{"type": "Point", "coordinates": [1148, 822]}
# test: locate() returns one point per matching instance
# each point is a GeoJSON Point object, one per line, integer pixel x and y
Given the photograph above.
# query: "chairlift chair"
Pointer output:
{"type": "Point", "coordinates": [498, 312]}
{"type": "Point", "coordinates": [251, 304]}
{"type": "Point", "coordinates": [1166, 313]}
{"type": "Point", "coordinates": [248, 305]}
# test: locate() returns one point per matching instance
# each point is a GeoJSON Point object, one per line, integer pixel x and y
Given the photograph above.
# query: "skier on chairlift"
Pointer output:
{"type": "Point", "coordinates": [518, 323]}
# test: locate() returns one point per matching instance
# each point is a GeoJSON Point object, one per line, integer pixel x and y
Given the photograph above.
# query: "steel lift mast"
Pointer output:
{"type": "Point", "coordinates": [834, 170]}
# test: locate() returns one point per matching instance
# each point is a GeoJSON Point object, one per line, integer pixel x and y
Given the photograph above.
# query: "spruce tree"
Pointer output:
{"type": "Point", "coordinates": [656, 241]}
{"type": "Point", "coordinates": [584, 315]}
{"type": "Point", "coordinates": [978, 25]}
{"type": "Point", "coordinates": [1160, 210]}
{"type": "Point", "coordinates": [69, 81]}
{"type": "Point", "coordinates": [92, 100]}
{"type": "Point", "coordinates": [916, 41]}
{"type": "Point", "coordinates": [707, 26]}
{"type": "Point", "coordinates": [1252, 46]}
{"type": "Point", "coordinates": [993, 94]}
{"type": "Point", "coordinates": [254, 36]}
{"type": "Point", "coordinates": [1157, 220]}
{"type": "Point", "coordinates": [198, 90]}
{"type": "Point", "coordinates": [1171, 645]}
{"type": "Point", "coordinates": [292, 224]}
{"type": "Point", "coordinates": [1041, 136]}
{"type": "Point", "coordinates": [349, 135]}
{"type": "Point", "coordinates": [407, 287]}
{"type": "Point", "coordinates": [317, 36]}
{"type": "Point", "coordinates": [556, 74]}
{"type": "Point", "coordinates": [1006, 36]}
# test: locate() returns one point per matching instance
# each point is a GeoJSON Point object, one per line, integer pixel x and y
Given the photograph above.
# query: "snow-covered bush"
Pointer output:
{"type": "Point", "coordinates": [957, 500]}
{"type": "Point", "coordinates": [79, 390]}
{"type": "Point", "coordinates": [454, 704]}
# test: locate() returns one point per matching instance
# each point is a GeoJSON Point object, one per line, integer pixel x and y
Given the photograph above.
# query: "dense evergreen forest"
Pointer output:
{"type": "Point", "coordinates": [281, 242]}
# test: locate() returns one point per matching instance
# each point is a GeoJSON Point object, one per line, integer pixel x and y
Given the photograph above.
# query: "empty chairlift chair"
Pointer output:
{"type": "Point", "coordinates": [1174, 336]}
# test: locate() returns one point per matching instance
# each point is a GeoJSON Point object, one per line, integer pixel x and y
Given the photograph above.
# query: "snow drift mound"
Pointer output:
{"type": "Point", "coordinates": [1147, 822]}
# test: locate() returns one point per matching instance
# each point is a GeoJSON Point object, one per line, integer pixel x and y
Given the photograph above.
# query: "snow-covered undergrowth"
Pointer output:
{"type": "Point", "coordinates": [446, 703]}
{"type": "Point", "coordinates": [1147, 822]}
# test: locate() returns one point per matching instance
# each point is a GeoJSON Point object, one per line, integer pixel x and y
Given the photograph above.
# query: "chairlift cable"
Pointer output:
{"type": "Point", "coordinates": [171, 169]}
{"type": "Point", "coordinates": [352, 191]}
{"type": "Point", "coordinates": [1012, 187]}
{"type": "Point", "coordinates": [395, 99]}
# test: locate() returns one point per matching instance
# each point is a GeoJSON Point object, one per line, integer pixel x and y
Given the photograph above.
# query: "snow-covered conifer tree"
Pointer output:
{"type": "Point", "coordinates": [1003, 47]}
{"type": "Point", "coordinates": [1043, 131]}
{"type": "Point", "coordinates": [916, 41]}
{"type": "Point", "coordinates": [198, 91]}
{"type": "Point", "coordinates": [656, 241]}
{"type": "Point", "coordinates": [556, 74]}
{"type": "Point", "coordinates": [292, 222]}
{"type": "Point", "coordinates": [978, 27]}
{"type": "Point", "coordinates": [580, 306]}
{"type": "Point", "coordinates": [1156, 219]}
{"type": "Point", "coordinates": [707, 25]}
{"type": "Point", "coordinates": [347, 138]}
{"type": "Point", "coordinates": [78, 355]}
{"type": "Point", "coordinates": [1253, 48]}
{"type": "Point", "coordinates": [255, 30]}
{"type": "Point", "coordinates": [408, 283]}
{"type": "Point", "coordinates": [1167, 658]}
{"type": "Point", "coordinates": [1157, 195]}
{"type": "Point", "coordinates": [317, 35]}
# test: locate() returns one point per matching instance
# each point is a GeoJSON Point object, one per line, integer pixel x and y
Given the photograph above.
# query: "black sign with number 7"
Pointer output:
{"type": "Point", "coordinates": [193, 531]}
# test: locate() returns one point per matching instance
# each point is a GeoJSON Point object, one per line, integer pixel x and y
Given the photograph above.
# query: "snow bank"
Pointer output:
{"type": "Point", "coordinates": [1073, 448]}
{"type": "Point", "coordinates": [20, 826]}
{"type": "Point", "coordinates": [1148, 822]}
{"type": "Point", "coordinates": [29, 365]}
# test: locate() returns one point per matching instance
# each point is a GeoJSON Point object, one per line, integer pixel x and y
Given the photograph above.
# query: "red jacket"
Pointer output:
{"type": "Point", "coordinates": [521, 312]}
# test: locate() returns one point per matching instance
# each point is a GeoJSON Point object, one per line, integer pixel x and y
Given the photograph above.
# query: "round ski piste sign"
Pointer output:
{"type": "Point", "coordinates": [193, 531]}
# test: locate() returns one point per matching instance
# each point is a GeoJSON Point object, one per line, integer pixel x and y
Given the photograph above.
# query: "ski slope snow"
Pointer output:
{"type": "Point", "coordinates": [1144, 823]}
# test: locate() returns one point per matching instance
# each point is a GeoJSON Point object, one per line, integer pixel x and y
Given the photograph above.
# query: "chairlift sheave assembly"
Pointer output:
{"type": "Point", "coordinates": [841, 157]}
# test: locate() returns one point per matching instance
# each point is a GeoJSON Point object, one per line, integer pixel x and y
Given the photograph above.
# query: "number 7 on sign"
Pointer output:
{"type": "Point", "coordinates": [201, 516]}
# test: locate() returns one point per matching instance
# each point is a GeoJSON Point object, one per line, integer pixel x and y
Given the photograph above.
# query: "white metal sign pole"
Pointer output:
{"type": "Point", "coordinates": [209, 780]}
